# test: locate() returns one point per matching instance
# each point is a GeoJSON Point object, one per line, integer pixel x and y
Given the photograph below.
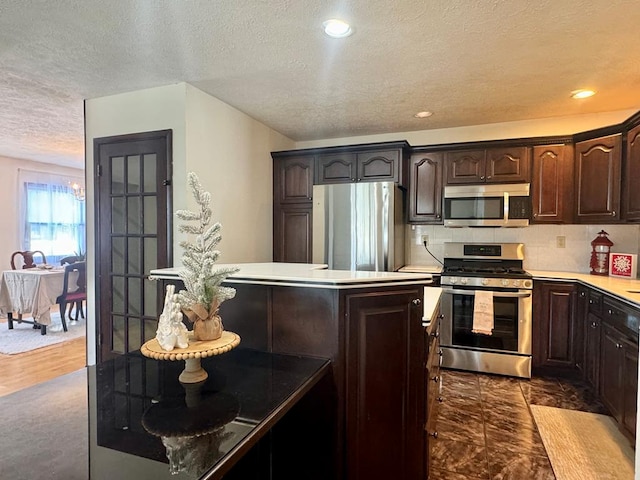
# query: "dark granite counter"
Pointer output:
{"type": "Point", "coordinates": [233, 424]}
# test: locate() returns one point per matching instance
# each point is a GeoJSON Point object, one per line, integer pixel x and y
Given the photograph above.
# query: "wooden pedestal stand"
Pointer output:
{"type": "Point", "coordinates": [193, 371]}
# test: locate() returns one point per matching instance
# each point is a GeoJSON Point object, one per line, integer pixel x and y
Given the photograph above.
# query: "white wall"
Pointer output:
{"type": "Point", "coordinates": [228, 150]}
{"type": "Point", "coordinates": [494, 131]}
{"type": "Point", "coordinates": [231, 153]}
{"type": "Point", "coordinates": [9, 197]}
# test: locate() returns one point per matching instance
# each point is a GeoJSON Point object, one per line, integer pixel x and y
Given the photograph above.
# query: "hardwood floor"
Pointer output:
{"type": "Point", "coordinates": [30, 368]}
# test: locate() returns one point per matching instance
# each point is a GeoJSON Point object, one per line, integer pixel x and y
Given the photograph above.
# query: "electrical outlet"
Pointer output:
{"type": "Point", "coordinates": [424, 240]}
{"type": "Point", "coordinates": [560, 241]}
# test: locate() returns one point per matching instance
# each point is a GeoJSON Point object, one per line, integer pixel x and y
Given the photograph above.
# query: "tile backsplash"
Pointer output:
{"type": "Point", "coordinates": [540, 241]}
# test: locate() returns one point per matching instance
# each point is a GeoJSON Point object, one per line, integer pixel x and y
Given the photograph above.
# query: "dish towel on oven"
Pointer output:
{"type": "Point", "coordinates": [483, 312]}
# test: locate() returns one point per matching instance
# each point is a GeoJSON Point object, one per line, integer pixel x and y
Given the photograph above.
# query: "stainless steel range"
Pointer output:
{"type": "Point", "coordinates": [494, 273]}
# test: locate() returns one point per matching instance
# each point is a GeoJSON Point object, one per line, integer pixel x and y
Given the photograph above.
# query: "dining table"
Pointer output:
{"type": "Point", "coordinates": [31, 291]}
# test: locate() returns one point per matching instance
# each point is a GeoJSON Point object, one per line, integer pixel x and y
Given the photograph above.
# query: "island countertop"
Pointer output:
{"type": "Point", "coordinates": [305, 275]}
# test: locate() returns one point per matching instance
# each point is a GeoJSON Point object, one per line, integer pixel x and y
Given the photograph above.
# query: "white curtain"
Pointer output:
{"type": "Point", "coordinates": [52, 219]}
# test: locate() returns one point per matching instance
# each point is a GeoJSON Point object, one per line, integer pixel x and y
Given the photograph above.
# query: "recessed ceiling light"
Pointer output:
{"type": "Point", "coordinates": [423, 114]}
{"type": "Point", "coordinates": [337, 28]}
{"type": "Point", "coordinates": [582, 93]}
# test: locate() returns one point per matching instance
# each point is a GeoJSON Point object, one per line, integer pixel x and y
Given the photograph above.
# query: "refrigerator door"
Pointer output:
{"type": "Point", "coordinates": [355, 226]}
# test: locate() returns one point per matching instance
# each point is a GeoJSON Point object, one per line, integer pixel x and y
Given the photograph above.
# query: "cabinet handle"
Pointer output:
{"type": "Point", "coordinates": [433, 434]}
{"type": "Point", "coordinates": [416, 301]}
{"type": "Point", "coordinates": [437, 216]}
{"type": "Point", "coordinates": [590, 302]}
{"type": "Point", "coordinates": [435, 334]}
{"type": "Point", "coordinates": [583, 294]}
{"type": "Point", "coordinates": [441, 353]}
{"type": "Point", "coordinates": [594, 324]}
{"type": "Point", "coordinates": [482, 177]}
{"type": "Point", "coordinates": [488, 177]}
{"type": "Point", "coordinates": [618, 345]}
{"type": "Point", "coordinates": [613, 213]}
{"type": "Point", "coordinates": [353, 179]}
{"type": "Point", "coordinates": [436, 378]}
{"type": "Point", "coordinates": [440, 399]}
{"type": "Point", "coordinates": [441, 316]}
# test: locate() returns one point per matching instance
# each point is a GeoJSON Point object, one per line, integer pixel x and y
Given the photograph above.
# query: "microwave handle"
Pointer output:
{"type": "Point", "coordinates": [495, 294]}
{"type": "Point", "coordinates": [506, 207]}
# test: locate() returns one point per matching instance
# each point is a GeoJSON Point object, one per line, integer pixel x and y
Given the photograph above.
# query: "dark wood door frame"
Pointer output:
{"type": "Point", "coordinates": [161, 142]}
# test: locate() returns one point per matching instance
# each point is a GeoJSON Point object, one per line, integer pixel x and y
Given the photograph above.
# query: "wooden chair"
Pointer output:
{"type": "Point", "coordinates": [74, 296]}
{"type": "Point", "coordinates": [27, 258]}
{"type": "Point", "coordinates": [66, 261]}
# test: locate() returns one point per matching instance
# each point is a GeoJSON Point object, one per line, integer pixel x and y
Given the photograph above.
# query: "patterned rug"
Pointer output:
{"type": "Point", "coordinates": [584, 445]}
{"type": "Point", "coordinates": [23, 338]}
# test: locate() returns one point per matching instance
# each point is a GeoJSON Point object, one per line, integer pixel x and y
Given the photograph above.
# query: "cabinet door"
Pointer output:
{"type": "Point", "coordinates": [598, 179]}
{"type": "Point", "coordinates": [552, 182]}
{"type": "Point", "coordinates": [292, 233]}
{"type": "Point", "coordinates": [293, 179]}
{"type": "Point", "coordinates": [336, 168]}
{"type": "Point", "coordinates": [425, 188]}
{"type": "Point", "coordinates": [379, 166]}
{"type": "Point", "coordinates": [508, 165]}
{"type": "Point", "coordinates": [592, 351]}
{"type": "Point", "coordinates": [554, 325]}
{"type": "Point", "coordinates": [579, 323]}
{"type": "Point", "coordinates": [466, 166]}
{"type": "Point", "coordinates": [385, 385]}
{"type": "Point", "coordinates": [631, 201]}
{"type": "Point", "coordinates": [611, 358]}
{"type": "Point", "coordinates": [630, 385]}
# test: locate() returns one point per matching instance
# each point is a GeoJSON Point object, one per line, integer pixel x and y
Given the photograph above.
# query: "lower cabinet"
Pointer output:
{"type": "Point", "coordinates": [385, 388]}
{"type": "Point", "coordinates": [554, 325]}
{"type": "Point", "coordinates": [434, 385]}
{"type": "Point", "coordinates": [592, 335]}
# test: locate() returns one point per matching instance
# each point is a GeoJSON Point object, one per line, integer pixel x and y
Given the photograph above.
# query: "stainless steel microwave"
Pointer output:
{"type": "Point", "coordinates": [490, 205]}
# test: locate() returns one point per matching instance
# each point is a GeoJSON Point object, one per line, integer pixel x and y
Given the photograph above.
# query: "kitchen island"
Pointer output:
{"type": "Point", "coordinates": [370, 325]}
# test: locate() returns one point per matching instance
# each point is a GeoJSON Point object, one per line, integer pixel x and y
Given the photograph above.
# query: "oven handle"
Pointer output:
{"type": "Point", "coordinates": [495, 294]}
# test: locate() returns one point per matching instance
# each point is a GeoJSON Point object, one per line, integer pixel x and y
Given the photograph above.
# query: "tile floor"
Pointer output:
{"type": "Point", "coordinates": [485, 428]}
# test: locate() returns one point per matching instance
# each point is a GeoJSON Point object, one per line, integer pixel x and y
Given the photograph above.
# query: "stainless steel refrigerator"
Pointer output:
{"type": "Point", "coordinates": [359, 226]}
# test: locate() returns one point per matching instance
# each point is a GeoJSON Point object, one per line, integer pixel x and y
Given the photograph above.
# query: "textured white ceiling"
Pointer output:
{"type": "Point", "coordinates": [469, 61]}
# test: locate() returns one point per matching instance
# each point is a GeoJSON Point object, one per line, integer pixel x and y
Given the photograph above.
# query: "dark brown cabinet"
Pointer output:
{"type": "Point", "coordinates": [581, 309]}
{"type": "Point", "coordinates": [292, 207]}
{"type": "Point", "coordinates": [385, 387]}
{"type": "Point", "coordinates": [598, 163]}
{"type": "Point", "coordinates": [592, 334]}
{"type": "Point", "coordinates": [368, 166]}
{"type": "Point", "coordinates": [491, 165]}
{"type": "Point", "coordinates": [552, 184]}
{"type": "Point", "coordinates": [553, 325]}
{"type": "Point", "coordinates": [631, 192]}
{"type": "Point", "coordinates": [619, 376]}
{"type": "Point", "coordinates": [425, 187]}
{"type": "Point", "coordinates": [292, 233]}
{"type": "Point", "coordinates": [433, 381]}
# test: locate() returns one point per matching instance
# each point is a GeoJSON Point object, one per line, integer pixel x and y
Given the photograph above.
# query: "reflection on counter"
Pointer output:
{"type": "Point", "coordinates": [139, 407]}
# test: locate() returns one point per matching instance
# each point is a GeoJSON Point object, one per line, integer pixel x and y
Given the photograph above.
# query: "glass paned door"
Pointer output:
{"type": "Point", "coordinates": [134, 205]}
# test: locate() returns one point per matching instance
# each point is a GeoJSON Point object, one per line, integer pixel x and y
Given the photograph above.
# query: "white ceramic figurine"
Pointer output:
{"type": "Point", "coordinates": [171, 331]}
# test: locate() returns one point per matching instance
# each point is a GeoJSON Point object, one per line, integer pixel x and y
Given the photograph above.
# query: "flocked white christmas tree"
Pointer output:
{"type": "Point", "coordinates": [203, 292]}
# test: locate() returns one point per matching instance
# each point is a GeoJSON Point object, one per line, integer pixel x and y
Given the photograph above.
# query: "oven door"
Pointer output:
{"type": "Point", "coordinates": [512, 321]}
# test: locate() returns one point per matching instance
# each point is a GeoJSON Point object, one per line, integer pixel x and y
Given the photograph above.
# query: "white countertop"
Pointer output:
{"type": "Point", "coordinates": [626, 289]}
{"type": "Point", "coordinates": [431, 302]}
{"type": "Point", "coordinates": [301, 274]}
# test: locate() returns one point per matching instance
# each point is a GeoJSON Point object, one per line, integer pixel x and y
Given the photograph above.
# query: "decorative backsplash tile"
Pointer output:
{"type": "Point", "coordinates": [541, 250]}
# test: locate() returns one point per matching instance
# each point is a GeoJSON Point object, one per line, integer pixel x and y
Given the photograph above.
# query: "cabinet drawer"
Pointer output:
{"type": "Point", "coordinates": [622, 317]}
{"type": "Point", "coordinates": [595, 303]}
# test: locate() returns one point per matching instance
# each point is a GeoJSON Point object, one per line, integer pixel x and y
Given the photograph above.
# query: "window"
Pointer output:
{"type": "Point", "coordinates": [54, 219]}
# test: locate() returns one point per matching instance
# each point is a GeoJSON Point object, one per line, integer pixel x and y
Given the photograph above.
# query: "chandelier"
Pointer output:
{"type": "Point", "coordinates": [78, 191]}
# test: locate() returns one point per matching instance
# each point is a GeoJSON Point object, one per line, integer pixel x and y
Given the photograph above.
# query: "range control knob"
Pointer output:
{"type": "Point", "coordinates": [464, 280]}
{"type": "Point", "coordinates": [505, 282]}
{"type": "Point", "coordinates": [527, 284]}
{"type": "Point", "coordinates": [516, 283]}
{"type": "Point", "coordinates": [485, 281]}
{"type": "Point", "coordinates": [453, 280]}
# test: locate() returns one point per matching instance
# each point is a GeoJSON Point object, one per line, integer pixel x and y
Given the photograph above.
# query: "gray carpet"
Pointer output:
{"type": "Point", "coordinates": [44, 431]}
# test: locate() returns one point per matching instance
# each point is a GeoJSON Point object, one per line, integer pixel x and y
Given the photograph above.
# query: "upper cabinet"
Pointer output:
{"type": "Point", "coordinates": [425, 187]}
{"type": "Point", "coordinates": [631, 192]}
{"type": "Point", "coordinates": [597, 165]}
{"type": "Point", "coordinates": [365, 166]}
{"type": "Point", "coordinates": [491, 165]}
{"type": "Point", "coordinates": [293, 179]}
{"type": "Point", "coordinates": [552, 184]}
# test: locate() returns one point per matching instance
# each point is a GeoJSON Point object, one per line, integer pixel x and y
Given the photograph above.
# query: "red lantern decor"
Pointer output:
{"type": "Point", "coordinates": [601, 246]}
